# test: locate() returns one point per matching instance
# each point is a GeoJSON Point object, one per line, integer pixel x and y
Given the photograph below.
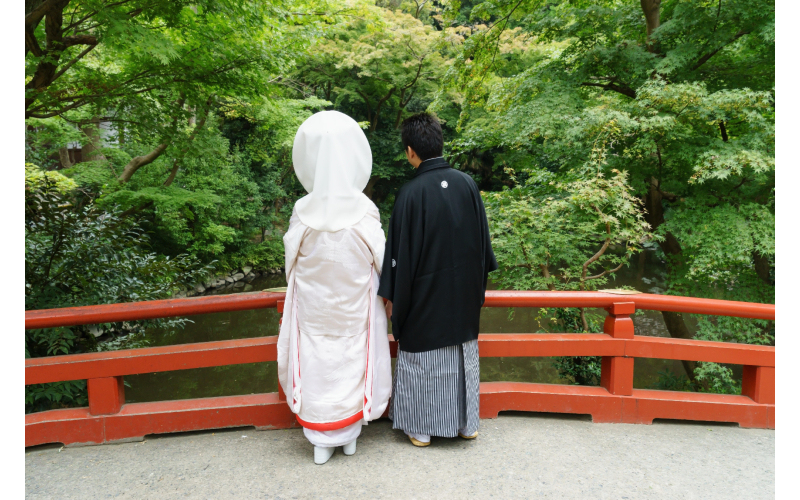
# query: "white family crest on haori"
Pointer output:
{"type": "Point", "coordinates": [333, 351]}
{"type": "Point", "coordinates": [444, 184]}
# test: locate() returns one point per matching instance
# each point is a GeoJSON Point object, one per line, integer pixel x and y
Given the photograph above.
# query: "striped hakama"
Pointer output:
{"type": "Point", "coordinates": [437, 392]}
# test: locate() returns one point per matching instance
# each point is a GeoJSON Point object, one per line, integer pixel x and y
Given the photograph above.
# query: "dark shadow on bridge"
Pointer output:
{"type": "Point", "coordinates": [43, 447]}
{"type": "Point", "coordinates": [188, 434]}
{"type": "Point", "coordinates": [545, 416]}
{"type": "Point", "coordinates": [695, 422]}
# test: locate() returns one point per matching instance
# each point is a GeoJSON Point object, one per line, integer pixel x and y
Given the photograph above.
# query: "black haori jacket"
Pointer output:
{"type": "Point", "coordinates": [438, 256]}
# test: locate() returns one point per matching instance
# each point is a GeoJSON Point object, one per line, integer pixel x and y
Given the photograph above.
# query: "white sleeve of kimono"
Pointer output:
{"type": "Point", "coordinates": [288, 373]}
{"type": "Point", "coordinates": [379, 362]}
{"type": "Point", "coordinates": [370, 230]}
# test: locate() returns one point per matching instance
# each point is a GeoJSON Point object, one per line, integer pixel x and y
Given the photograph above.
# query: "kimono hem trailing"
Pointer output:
{"type": "Point", "coordinates": [333, 352]}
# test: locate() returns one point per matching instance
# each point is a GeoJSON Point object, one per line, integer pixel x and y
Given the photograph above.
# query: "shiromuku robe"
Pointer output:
{"type": "Point", "coordinates": [333, 351]}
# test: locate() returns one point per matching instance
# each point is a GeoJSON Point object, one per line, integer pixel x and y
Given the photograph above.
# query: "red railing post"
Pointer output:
{"type": "Point", "coordinates": [616, 373]}
{"type": "Point", "coordinates": [281, 395]}
{"type": "Point", "coordinates": [758, 383]}
{"type": "Point", "coordinates": [106, 395]}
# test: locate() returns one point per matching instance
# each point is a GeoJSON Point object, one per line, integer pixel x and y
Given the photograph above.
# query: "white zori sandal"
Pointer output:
{"type": "Point", "coordinates": [349, 448]}
{"type": "Point", "coordinates": [322, 454]}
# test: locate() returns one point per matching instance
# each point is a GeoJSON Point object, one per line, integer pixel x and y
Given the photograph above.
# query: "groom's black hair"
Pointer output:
{"type": "Point", "coordinates": [424, 134]}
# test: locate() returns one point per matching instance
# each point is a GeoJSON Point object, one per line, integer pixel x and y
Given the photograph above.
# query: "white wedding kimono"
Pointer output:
{"type": "Point", "coordinates": [333, 352]}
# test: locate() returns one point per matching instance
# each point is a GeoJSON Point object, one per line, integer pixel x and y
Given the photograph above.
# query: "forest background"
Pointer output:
{"type": "Point", "coordinates": [159, 134]}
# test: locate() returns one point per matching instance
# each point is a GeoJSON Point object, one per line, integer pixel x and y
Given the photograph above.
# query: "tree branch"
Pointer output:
{"type": "Point", "coordinates": [140, 161]}
{"type": "Point", "coordinates": [73, 61]}
{"type": "Point", "coordinates": [711, 54]}
{"type": "Point", "coordinates": [621, 88]}
{"type": "Point", "coordinates": [723, 131]}
{"type": "Point", "coordinates": [69, 41]}
{"type": "Point", "coordinates": [546, 275]}
{"type": "Point", "coordinates": [668, 196]}
{"type": "Point", "coordinates": [607, 271]}
{"type": "Point", "coordinates": [182, 153]}
{"type": "Point", "coordinates": [599, 252]}
{"type": "Point", "coordinates": [366, 101]}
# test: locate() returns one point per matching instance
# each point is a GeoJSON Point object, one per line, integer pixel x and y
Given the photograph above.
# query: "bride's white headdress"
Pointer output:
{"type": "Point", "coordinates": [333, 162]}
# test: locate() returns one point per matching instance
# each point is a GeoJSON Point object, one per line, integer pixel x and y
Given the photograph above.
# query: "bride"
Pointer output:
{"type": "Point", "coordinates": [333, 351]}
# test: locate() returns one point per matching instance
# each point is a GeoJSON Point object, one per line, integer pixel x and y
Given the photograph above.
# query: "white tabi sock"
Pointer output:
{"type": "Point", "coordinates": [422, 438]}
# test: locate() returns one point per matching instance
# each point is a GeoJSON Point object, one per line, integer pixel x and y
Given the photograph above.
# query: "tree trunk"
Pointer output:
{"type": "Point", "coordinates": [55, 44]}
{"type": "Point", "coordinates": [91, 148]}
{"type": "Point", "coordinates": [400, 109]}
{"type": "Point", "coordinates": [63, 155]}
{"type": "Point", "coordinates": [677, 329]}
{"type": "Point", "coordinates": [640, 267]}
{"type": "Point", "coordinates": [370, 185]}
{"type": "Point", "coordinates": [46, 69]}
{"type": "Point", "coordinates": [676, 326]}
{"type": "Point", "coordinates": [652, 14]}
{"type": "Point", "coordinates": [374, 124]}
{"type": "Point", "coordinates": [763, 268]}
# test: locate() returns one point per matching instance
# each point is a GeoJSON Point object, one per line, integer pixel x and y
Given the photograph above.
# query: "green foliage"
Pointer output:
{"type": "Point", "coordinates": [44, 137]}
{"type": "Point", "coordinates": [42, 397]}
{"type": "Point", "coordinates": [40, 180]}
{"type": "Point", "coordinates": [379, 67]}
{"type": "Point", "coordinates": [81, 255]}
{"type": "Point", "coordinates": [554, 234]}
{"type": "Point", "coordinates": [566, 90]}
{"type": "Point", "coordinates": [713, 377]}
{"type": "Point", "coordinates": [669, 381]}
{"type": "Point", "coordinates": [590, 132]}
{"type": "Point", "coordinates": [581, 370]}
{"type": "Point", "coordinates": [140, 56]}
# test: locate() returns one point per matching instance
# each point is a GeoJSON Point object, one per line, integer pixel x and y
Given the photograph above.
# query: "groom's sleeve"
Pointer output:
{"type": "Point", "coordinates": [489, 260]}
{"type": "Point", "coordinates": [386, 287]}
{"type": "Point", "coordinates": [399, 261]}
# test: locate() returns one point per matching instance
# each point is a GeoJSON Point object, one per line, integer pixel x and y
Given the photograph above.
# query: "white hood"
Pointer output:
{"type": "Point", "coordinates": [333, 162]}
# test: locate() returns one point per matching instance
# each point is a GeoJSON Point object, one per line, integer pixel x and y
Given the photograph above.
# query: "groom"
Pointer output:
{"type": "Point", "coordinates": [438, 255]}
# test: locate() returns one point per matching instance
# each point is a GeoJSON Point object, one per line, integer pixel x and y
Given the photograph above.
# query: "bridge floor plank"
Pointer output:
{"type": "Point", "coordinates": [515, 456]}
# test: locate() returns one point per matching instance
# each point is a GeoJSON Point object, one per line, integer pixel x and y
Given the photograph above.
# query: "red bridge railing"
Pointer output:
{"type": "Point", "coordinates": [109, 419]}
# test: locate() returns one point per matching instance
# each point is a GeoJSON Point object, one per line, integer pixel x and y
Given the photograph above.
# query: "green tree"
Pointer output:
{"type": "Point", "coordinates": [694, 132]}
{"type": "Point", "coordinates": [148, 67]}
{"type": "Point", "coordinates": [78, 256]}
{"type": "Point", "coordinates": [159, 79]}
{"type": "Point", "coordinates": [375, 67]}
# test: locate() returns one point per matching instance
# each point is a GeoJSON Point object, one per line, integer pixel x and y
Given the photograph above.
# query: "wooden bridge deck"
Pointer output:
{"type": "Point", "coordinates": [516, 456]}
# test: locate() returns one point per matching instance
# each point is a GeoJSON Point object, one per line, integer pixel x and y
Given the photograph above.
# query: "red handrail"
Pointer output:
{"type": "Point", "coordinates": [130, 311]}
{"type": "Point", "coordinates": [109, 313]}
{"type": "Point", "coordinates": [491, 345]}
{"type": "Point", "coordinates": [109, 419]}
{"type": "Point", "coordinates": [647, 301]}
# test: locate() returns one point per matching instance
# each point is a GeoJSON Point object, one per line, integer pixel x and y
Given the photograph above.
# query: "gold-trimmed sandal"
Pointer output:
{"type": "Point", "coordinates": [416, 442]}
